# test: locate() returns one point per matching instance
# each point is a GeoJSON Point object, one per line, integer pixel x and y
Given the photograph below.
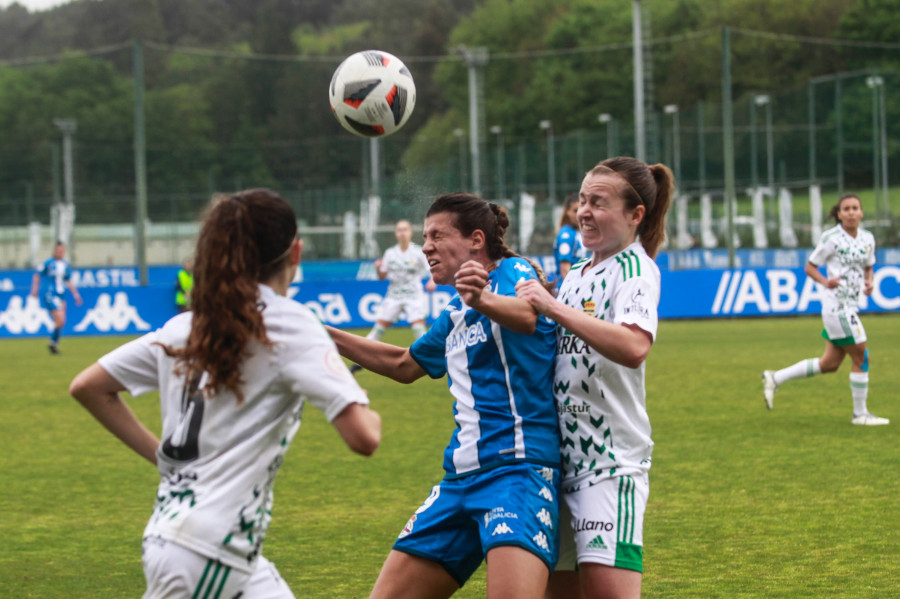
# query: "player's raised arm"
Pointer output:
{"type": "Point", "coordinates": [381, 358]}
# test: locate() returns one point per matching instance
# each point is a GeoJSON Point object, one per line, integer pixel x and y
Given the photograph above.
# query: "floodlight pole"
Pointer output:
{"type": "Point", "coordinates": [140, 164]}
{"type": "Point", "coordinates": [67, 127]}
{"type": "Point", "coordinates": [551, 161]}
{"type": "Point", "coordinates": [766, 100]}
{"type": "Point", "coordinates": [640, 142]}
{"type": "Point", "coordinates": [672, 109]}
{"type": "Point", "coordinates": [606, 119]}
{"type": "Point", "coordinates": [476, 58]}
{"type": "Point", "coordinates": [460, 136]}
{"type": "Point", "coordinates": [728, 141]}
{"type": "Point", "coordinates": [501, 162]}
{"type": "Point", "coordinates": [875, 83]}
{"type": "Point", "coordinates": [701, 149]}
{"type": "Point", "coordinates": [375, 165]}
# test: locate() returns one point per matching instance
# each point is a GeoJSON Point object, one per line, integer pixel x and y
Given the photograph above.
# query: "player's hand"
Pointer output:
{"type": "Point", "coordinates": [78, 301]}
{"type": "Point", "coordinates": [833, 283]}
{"type": "Point", "coordinates": [470, 281]}
{"type": "Point", "coordinates": [535, 294]}
{"type": "Point", "coordinates": [430, 285]}
{"type": "Point", "coordinates": [868, 287]}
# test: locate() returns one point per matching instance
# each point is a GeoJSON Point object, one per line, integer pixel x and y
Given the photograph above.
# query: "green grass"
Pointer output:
{"type": "Point", "coordinates": [793, 503]}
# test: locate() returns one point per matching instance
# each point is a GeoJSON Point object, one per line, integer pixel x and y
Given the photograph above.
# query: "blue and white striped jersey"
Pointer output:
{"type": "Point", "coordinates": [568, 247]}
{"type": "Point", "coordinates": [502, 382]}
{"type": "Point", "coordinates": [54, 274]}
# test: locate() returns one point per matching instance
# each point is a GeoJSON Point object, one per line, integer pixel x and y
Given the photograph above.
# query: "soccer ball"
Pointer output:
{"type": "Point", "coordinates": [372, 93]}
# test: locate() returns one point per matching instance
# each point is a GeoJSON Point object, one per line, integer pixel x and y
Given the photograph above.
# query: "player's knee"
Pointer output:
{"type": "Point", "coordinates": [829, 365]}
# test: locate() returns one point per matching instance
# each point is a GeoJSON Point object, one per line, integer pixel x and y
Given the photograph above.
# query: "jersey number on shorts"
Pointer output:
{"type": "Point", "coordinates": [183, 445]}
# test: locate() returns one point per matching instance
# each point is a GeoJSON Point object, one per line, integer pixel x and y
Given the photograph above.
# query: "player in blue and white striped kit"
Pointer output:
{"type": "Point", "coordinates": [499, 496]}
{"type": "Point", "coordinates": [568, 248]}
{"type": "Point", "coordinates": [57, 273]}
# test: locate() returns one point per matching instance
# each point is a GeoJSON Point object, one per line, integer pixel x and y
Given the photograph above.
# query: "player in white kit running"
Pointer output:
{"type": "Point", "coordinates": [848, 253]}
{"type": "Point", "coordinates": [233, 376]}
{"type": "Point", "coordinates": [607, 321]}
{"type": "Point", "coordinates": [404, 266]}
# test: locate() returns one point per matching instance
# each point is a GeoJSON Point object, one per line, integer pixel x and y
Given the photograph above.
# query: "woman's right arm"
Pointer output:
{"type": "Point", "coordinates": [812, 271]}
{"type": "Point", "coordinates": [98, 392]}
{"type": "Point", "coordinates": [381, 358]}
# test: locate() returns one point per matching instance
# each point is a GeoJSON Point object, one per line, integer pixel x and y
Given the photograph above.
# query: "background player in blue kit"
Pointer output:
{"type": "Point", "coordinates": [52, 279]}
{"type": "Point", "coordinates": [568, 247]}
{"type": "Point", "coordinates": [498, 499]}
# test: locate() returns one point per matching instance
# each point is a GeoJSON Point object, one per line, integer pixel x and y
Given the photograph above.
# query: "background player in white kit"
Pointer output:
{"type": "Point", "coordinates": [607, 317]}
{"type": "Point", "coordinates": [404, 266]}
{"type": "Point", "coordinates": [233, 376]}
{"type": "Point", "coordinates": [848, 253]}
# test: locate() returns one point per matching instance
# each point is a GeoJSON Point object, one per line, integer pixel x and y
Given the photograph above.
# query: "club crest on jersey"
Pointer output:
{"type": "Point", "coordinates": [588, 307]}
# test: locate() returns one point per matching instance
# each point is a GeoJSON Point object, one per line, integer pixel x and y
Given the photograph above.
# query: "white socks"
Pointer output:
{"type": "Point", "coordinates": [376, 332]}
{"type": "Point", "coordinates": [801, 370]}
{"type": "Point", "coordinates": [859, 388]}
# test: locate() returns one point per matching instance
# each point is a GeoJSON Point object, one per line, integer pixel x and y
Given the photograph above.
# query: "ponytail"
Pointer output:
{"type": "Point", "coordinates": [650, 186]}
{"type": "Point", "coordinates": [242, 242]}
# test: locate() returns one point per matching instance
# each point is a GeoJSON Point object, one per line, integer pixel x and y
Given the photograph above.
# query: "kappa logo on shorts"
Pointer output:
{"type": "Point", "coordinates": [546, 494]}
{"type": "Point", "coordinates": [540, 540]}
{"type": "Point", "coordinates": [547, 474]}
{"type": "Point", "coordinates": [596, 543]}
{"type": "Point", "coordinates": [502, 529]}
{"type": "Point", "coordinates": [545, 517]}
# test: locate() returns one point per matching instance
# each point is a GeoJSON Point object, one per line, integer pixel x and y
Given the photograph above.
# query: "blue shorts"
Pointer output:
{"type": "Point", "coordinates": [51, 302]}
{"type": "Point", "coordinates": [464, 518]}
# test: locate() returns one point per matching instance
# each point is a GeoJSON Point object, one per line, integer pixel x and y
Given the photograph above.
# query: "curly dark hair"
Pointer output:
{"type": "Point", "coordinates": [245, 239]}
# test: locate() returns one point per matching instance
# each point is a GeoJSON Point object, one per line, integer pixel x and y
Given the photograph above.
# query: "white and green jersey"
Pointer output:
{"type": "Point", "coordinates": [845, 257]}
{"type": "Point", "coordinates": [218, 459]}
{"type": "Point", "coordinates": [602, 409]}
{"type": "Point", "coordinates": [405, 271]}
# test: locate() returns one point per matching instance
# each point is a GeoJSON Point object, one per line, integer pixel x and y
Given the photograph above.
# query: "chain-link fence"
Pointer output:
{"type": "Point", "coordinates": [830, 131]}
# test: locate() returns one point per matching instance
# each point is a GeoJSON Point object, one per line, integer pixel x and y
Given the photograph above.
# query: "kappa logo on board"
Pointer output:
{"type": "Point", "coordinates": [112, 314]}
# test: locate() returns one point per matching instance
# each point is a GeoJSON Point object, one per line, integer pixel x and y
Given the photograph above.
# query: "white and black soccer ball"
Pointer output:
{"type": "Point", "coordinates": [372, 93]}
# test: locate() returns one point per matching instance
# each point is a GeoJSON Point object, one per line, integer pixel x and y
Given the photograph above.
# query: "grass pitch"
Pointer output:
{"type": "Point", "coordinates": [793, 503]}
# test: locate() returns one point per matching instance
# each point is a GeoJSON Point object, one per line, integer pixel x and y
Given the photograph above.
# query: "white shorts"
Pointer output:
{"type": "Point", "coordinates": [412, 307]}
{"type": "Point", "coordinates": [607, 524]}
{"type": "Point", "coordinates": [843, 327]}
{"type": "Point", "coordinates": [174, 572]}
